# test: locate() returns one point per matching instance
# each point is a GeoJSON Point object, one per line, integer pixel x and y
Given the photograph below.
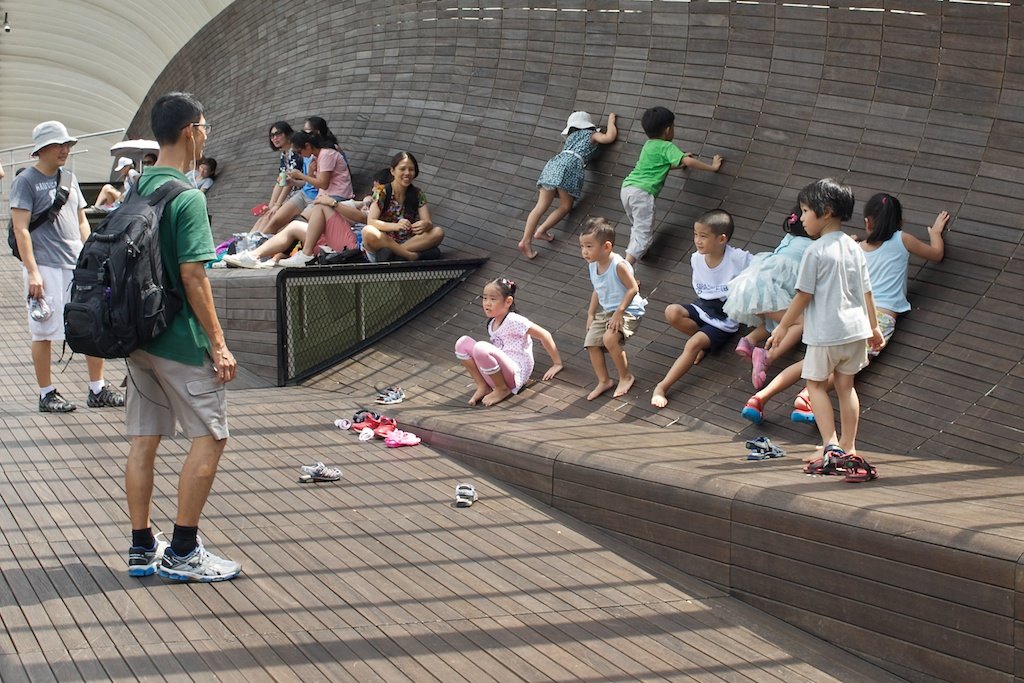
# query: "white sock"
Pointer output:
{"type": "Point", "coordinates": [43, 391]}
{"type": "Point", "coordinates": [97, 386]}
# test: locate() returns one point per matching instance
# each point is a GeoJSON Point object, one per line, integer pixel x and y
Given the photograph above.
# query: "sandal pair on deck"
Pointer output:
{"type": "Point", "coordinates": [834, 460]}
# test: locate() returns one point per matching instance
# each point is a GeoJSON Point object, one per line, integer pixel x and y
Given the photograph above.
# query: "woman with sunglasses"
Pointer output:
{"type": "Point", "coordinates": [280, 136]}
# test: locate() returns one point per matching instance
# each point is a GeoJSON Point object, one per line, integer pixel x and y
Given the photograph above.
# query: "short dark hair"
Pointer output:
{"type": "Point", "coordinates": [211, 164]}
{"type": "Point", "coordinates": [282, 126]}
{"type": "Point", "coordinates": [655, 120]}
{"type": "Point", "coordinates": [886, 214]}
{"type": "Point", "coordinates": [828, 194]}
{"type": "Point", "coordinates": [600, 228]}
{"type": "Point", "coordinates": [719, 221]}
{"type": "Point", "coordinates": [301, 138]}
{"type": "Point", "coordinates": [171, 113]}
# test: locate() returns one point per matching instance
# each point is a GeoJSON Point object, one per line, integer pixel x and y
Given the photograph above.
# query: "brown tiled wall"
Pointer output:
{"type": "Point", "coordinates": [915, 97]}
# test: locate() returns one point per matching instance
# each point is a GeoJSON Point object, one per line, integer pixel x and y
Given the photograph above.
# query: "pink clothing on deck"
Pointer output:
{"type": "Point", "coordinates": [340, 184]}
{"type": "Point", "coordinates": [337, 235]}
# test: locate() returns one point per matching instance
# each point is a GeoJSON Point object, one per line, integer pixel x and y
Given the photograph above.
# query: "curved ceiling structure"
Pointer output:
{"type": "Point", "coordinates": [88, 64]}
{"type": "Point", "coordinates": [919, 98]}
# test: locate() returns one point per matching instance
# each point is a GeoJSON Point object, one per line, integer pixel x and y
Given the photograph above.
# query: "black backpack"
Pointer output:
{"type": "Point", "coordinates": [121, 297]}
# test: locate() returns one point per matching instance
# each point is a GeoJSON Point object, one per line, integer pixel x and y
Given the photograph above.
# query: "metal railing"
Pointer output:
{"type": "Point", "coordinates": [15, 157]}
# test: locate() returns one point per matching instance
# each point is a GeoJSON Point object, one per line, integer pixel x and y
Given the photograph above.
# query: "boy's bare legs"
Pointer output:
{"type": "Point", "coordinates": [691, 355]}
{"type": "Point", "coordinates": [544, 199]}
{"type": "Point", "coordinates": [604, 382]}
{"type": "Point", "coordinates": [482, 387]}
{"type": "Point", "coordinates": [613, 343]}
{"type": "Point", "coordinates": [565, 202]}
{"type": "Point", "coordinates": [849, 410]}
{"type": "Point", "coordinates": [817, 391]}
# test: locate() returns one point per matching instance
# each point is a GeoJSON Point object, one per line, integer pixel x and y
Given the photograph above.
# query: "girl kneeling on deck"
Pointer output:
{"type": "Point", "coordinates": [502, 366]}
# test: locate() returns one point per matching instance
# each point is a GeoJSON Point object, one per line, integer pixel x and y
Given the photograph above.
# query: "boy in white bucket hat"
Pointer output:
{"type": "Point", "coordinates": [49, 252]}
{"type": "Point", "coordinates": [110, 197]}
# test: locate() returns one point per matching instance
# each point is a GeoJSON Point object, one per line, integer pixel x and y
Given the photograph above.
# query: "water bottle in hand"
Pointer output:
{"type": "Point", "coordinates": [38, 309]}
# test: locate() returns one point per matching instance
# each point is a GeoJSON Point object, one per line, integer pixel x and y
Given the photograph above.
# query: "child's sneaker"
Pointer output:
{"type": "Point", "coordinates": [199, 565]}
{"type": "Point", "coordinates": [144, 561]}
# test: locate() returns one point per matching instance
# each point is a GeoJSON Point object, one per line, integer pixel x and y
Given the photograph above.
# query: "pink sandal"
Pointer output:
{"type": "Point", "coordinates": [399, 438]}
{"type": "Point", "coordinates": [759, 373]}
{"type": "Point", "coordinates": [744, 348]}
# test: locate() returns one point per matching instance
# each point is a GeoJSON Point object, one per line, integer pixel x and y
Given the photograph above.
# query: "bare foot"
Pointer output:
{"type": "Point", "coordinates": [625, 385]}
{"type": "Point", "coordinates": [496, 397]}
{"type": "Point", "coordinates": [543, 235]}
{"type": "Point", "coordinates": [600, 389]}
{"type": "Point", "coordinates": [479, 394]}
{"type": "Point", "coordinates": [525, 250]}
{"type": "Point", "coordinates": [658, 399]}
{"type": "Point", "coordinates": [699, 357]}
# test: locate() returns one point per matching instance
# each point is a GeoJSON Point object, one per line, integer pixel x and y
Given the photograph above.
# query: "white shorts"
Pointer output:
{"type": "Point", "coordinates": [846, 359]}
{"type": "Point", "coordinates": [639, 206]}
{"type": "Point", "coordinates": [57, 292]}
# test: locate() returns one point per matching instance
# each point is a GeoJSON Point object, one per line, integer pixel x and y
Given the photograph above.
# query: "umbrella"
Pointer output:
{"type": "Point", "coordinates": [135, 150]}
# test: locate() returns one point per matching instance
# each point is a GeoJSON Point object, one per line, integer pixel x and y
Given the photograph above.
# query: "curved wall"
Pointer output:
{"type": "Point", "coordinates": [915, 97]}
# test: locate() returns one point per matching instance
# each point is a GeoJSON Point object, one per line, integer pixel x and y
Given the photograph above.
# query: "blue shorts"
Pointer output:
{"type": "Point", "coordinates": [719, 338]}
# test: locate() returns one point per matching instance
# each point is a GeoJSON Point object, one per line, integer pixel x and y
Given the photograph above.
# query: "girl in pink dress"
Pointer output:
{"type": "Point", "coordinates": [502, 366]}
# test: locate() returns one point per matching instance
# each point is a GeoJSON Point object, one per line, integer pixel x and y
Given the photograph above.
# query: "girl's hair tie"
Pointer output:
{"type": "Point", "coordinates": [885, 200]}
{"type": "Point", "coordinates": [792, 218]}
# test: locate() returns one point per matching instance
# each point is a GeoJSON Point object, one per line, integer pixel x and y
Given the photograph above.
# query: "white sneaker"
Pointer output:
{"type": "Point", "coordinates": [246, 259]}
{"type": "Point", "coordinates": [297, 261]}
{"type": "Point", "coordinates": [199, 565]}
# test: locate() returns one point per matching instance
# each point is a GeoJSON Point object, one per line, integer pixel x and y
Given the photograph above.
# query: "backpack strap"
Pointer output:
{"type": "Point", "coordinates": [167, 192]}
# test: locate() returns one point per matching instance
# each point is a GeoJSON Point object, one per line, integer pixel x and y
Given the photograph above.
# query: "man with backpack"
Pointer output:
{"type": "Point", "coordinates": [180, 375]}
{"type": "Point", "coordinates": [49, 236]}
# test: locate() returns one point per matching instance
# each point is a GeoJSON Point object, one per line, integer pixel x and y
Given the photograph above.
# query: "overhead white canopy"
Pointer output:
{"type": "Point", "coordinates": [89, 64]}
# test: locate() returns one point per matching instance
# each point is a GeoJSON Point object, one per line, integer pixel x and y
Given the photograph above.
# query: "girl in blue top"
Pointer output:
{"type": "Point", "coordinates": [563, 175]}
{"type": "Point", "coordinates": [887, 249]}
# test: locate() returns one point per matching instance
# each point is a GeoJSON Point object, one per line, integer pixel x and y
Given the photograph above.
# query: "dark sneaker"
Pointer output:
{"type": "Point", "coordinates": [144, 561]}
{"type": "Point", "coordinates": [53, 402]}
{"type": "Point", "coordinates": [106, 398]}
{"type": "Point", "coordinates": [199, 565]}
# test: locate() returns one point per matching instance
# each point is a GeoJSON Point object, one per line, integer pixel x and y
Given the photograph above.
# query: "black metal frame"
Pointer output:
{"type": "Point", "coordinates": [468, 265]}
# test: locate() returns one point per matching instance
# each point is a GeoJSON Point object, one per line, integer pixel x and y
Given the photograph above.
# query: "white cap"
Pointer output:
{"type": "Point", "coordinates": [50, 133]}
{"type": "Point", "coordinates": [578, 119]}
{"type": "Point", "coordinates": [122, 162]}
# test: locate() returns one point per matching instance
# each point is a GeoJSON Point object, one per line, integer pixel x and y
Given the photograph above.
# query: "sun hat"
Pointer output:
{"type": "Point", "coordinates": [578, 119]}
{"type": "Point", "coordinates": [50, 133]}
{"type": "Point", "coordinates": [122, 162]}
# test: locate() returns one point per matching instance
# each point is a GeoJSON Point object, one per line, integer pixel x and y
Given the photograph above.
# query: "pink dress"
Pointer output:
{"type": "Point", "coordinates": [512, 338]}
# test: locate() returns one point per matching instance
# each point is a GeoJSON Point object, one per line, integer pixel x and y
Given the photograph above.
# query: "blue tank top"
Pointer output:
{"type": "Point", "coordinates": [610, 289]}
{"type": "Point", "coordinates": [887, 267]}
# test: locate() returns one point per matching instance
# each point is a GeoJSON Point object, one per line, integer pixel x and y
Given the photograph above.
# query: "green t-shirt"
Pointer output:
{"type": "Point", "coordinates": [656, 159]}
{"type": "Point", "coordinates": [185, 237]}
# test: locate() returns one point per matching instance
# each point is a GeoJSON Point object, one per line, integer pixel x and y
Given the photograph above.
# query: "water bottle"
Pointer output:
{"type": "Point", "coordinates": [38, 309]}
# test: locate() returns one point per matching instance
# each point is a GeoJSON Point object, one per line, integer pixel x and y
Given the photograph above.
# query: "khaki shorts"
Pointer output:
{"type": "Point", "coordinates": [595, 335]}
{"type": "Point", "coordinates": [846, 359]}
{"type": "Point", "coordinates": [162, 391]}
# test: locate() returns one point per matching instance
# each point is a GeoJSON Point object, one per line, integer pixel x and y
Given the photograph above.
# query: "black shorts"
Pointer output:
{"type": "Point", "coordinates": [719, 338]}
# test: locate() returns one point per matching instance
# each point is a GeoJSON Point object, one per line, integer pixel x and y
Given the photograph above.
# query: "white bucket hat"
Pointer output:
{"type": "Point", "coordinates": [50, 133]}
{"type": "Point", "coordinates": [122, 162]}
{"type": "Point", "coordinates": [578, 119]}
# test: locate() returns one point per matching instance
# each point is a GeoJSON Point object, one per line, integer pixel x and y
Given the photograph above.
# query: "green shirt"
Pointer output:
{"type": "Point", "coordinates": [656, 159]}
{"type": "Point", "coordinates": [185, 237]}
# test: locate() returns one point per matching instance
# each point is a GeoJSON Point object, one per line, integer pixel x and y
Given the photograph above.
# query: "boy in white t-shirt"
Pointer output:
{"type": "Point", "coordinates": [714, 264]}
{"type": "Point", "coordinates": [834, 288]}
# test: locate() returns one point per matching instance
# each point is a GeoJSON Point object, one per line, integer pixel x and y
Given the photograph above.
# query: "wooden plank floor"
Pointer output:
{"type": "Point", "coordinates": [377, 577]}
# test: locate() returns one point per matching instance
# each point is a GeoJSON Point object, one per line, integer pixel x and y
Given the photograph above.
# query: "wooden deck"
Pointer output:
{"type": "Point", "coordinates": [375, 578]}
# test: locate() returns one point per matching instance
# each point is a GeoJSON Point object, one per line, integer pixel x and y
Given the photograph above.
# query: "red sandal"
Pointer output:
{"type": "Point", "coordinates": [754, 410]}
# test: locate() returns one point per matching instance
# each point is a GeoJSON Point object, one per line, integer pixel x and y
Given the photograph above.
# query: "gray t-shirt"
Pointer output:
{"type": "Point", "coordinates": [54, 243]}
{"type": "Point", "coordinates": [835, 273]}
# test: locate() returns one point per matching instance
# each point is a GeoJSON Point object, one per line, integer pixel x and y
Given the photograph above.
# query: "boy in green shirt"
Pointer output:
{"type": "Point", "coordinates": [658, 156]}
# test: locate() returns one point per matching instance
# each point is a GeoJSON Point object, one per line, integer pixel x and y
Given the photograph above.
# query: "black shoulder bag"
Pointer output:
{"type": "Point", "coordinates": [60, 198]}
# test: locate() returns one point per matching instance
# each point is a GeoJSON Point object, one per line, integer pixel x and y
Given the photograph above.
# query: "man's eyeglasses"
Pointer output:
{"type": "Point", "coordinates": [207, 127]}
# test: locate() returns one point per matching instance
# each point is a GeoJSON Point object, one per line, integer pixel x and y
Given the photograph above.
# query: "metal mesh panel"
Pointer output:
{"type": "Point", "coordinates": [328, 314]}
